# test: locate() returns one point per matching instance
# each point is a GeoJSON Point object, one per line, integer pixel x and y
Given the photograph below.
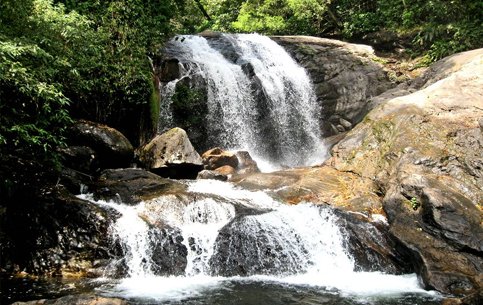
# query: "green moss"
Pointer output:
{"type": "Point", "coordinates": [154, 105]}
{"type": "Point", "coordinates": [188, 105]}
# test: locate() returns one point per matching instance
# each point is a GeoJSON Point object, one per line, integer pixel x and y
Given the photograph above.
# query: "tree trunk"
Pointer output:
{"type": "Point", "coordinates": [202, 9]}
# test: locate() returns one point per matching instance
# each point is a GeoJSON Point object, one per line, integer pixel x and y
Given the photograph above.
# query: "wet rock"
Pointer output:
{"type": "Point", "coordinates": [246, 164]}
{"type": "Point", "coordinates": [345, 76]}
{"type": "Point", "coordinates": [189, 108]}
{"type": "Point", "coordinates": [112, 148]}
{"type": "Point", "coordinates": [226, 170]}
{"type": "Point", "coordinates": [59, 235]}
{"type": "Point", "coordinates": [372, 246]}
{"type": "Point", "coordinates": [170, 70]}
{"type": "Point", "coordinates": [217, 157]}
{"type": "Point", "coordinates": [171, 155]}
{"type": "Point", "coordinates": [244, 248]}
{"type": "Point", "coordinates": [169, 254]}
{"type": "Point", "coordinates": [80, 158]}
{"type": "Point", "coordinates": [132, 185]}
{"type": "Point", "coordinates": [209, 174]}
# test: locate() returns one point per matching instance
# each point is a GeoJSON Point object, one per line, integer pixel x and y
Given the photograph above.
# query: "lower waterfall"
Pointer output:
{"type": "Point", "coordinates": [236, 238]}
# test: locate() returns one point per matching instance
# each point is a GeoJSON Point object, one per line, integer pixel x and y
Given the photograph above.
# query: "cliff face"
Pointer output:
{"type": "Point", "coordinates": [346, 77]}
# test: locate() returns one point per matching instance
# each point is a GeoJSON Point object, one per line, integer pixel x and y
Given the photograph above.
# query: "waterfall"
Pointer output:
{"type": "Point", "coordinates": [229, 232]}
{"type": "Point", "coordinates": [258, 98]}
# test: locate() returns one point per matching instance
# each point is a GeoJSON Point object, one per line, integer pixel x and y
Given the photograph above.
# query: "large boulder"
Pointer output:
{"type": "Point", "coordinates": [423, 151]}
{"type": "Point", "coordinates": [217, 157]}
{"type": "Point", "coordinates": [132, 185]}
{"type": "Point", "coordinates": [112, 148]}
{"type": "Point", "coordinates": [346, 77]}
{"type": "Point", "coordinates": [171, 155]}
{"type": "Point", "coordinates": [226, 164]}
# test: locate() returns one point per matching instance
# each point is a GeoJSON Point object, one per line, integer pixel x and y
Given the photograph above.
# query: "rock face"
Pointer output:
{"type": "Point", "coordinates": [55, 233]}
{"type": "Point", "coordinates": [345, 76]}
{"type": "Point", "coordinates": [112, 148]}
{"type": "Point", "coordinates": [172, 155]}
{"type": "Point", "coordinates": [424, 152]}
{"type": "Point", "coordinates": [417, 158]}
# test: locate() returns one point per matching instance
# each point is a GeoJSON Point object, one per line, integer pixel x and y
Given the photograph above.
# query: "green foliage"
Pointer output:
{"type": "Point", "coordinates": [85, 59]}
{"type": "Point", "coordinates": [281, 16]}
{"type": "Point", "coordinates": [437, 28]}
{"type": "Point", "coordinates": [414, 203]}
{"type": "Point", "coordinates": [35, 67]}
{"type": "Point", "coordinates": [186, 105]}
{"type": "Point", "coordinates": [119, 86]}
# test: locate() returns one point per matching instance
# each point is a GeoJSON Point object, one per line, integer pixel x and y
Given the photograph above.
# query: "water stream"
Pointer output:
{"type": "Point", "coordinates": [241, 243]}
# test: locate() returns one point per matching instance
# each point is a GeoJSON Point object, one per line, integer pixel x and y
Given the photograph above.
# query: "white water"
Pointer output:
{"type": "Point", "coordinates": [273, 115]}
{"type": "Point", "coordinates": [229, 98]}
{"type": "Point", "coordinates": [307, 240]}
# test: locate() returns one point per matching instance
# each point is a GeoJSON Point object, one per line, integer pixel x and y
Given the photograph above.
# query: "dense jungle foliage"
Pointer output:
{"type": "Point", "coordinates": [67, 59]}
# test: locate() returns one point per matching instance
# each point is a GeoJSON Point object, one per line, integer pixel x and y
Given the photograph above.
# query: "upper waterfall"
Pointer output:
{"type": "Point", "coordinates": [257, 97]}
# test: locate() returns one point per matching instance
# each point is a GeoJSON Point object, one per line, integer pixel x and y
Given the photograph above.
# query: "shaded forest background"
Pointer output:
{"type": "Point", "coordinates": [68, 59]}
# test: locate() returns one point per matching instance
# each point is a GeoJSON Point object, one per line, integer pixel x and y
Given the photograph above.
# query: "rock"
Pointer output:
{"type": "Point", "coordinates": [82, 299]}
{"type": "Point", "coordinates": [171, 155]}
{"type": "Point", "coordinates": [346, 124]}
{"type": "Point", "coordinates": [225, 170]}
{"type": "Point", "coordinates": [80, 158]}
{"type": "Point", "coordinates": [320, 185]}
{"type": "Point", "coordinates": [59, 235]}
{"type": "Point", "coordinates": [169, 254]}
{"type": "Point", "coordinates": [209, 174]}
{"type": "Point", "coordinates": [132, 185]}
{"type": "Point", "coordinates": [372, 246]}
{"type": "Point", "coordinates": [346, 77]}
{"type": "Point", "coordinates": [217, 157]}
{"type": "Point", "coordinates": [170, 70]}
{"type": "Point", "coordinates": [239, 253]}
{"type": "Point", "coordinates": [443, 232]}
{"type": "Point", "coordinates": [423, 151]}
{"type": "Point", "coordinates": [112, 147]}
{"type": "Point", "coordinates": [246, 165]}
{"type": "Point", "coordinates": [189, 109]}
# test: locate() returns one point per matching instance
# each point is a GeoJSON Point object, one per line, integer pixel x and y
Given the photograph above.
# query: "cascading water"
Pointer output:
{"type": "Point", "coordinates": [228, 232]}
{"type": "Point", "coordinates": [258, 98]}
